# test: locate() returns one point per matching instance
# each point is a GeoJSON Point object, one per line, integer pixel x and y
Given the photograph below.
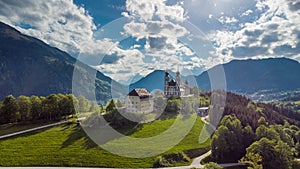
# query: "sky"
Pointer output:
{"type": "Point", "coordinates": [125, 39]}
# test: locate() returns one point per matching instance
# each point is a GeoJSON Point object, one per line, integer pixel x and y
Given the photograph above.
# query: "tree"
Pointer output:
{"type": "Point", "coordinates": [173, 106]}
{"type": "Point", "coordinates": [25, 106]}
{"type": "Point", "coordinates": [212, 165]}
{"type": "Point", "coordinates": [231, 139]}
{"type": "Point", "coordinates": [117, 120]}
{"type": "Point", "coordinates": [36, 107]}
{"type": "Point", "coordinates": [111, 106]}
{"type": "Point", "coordinates": [285, 154]}
{"type": "Point", "coordinates": [262, 121]}
{"type": "Point", "coordinates": [265, 132]}
{"type": "Point", "coordinates": [51, 106]}
{"type": "Point", "coordinates": [284, 134]}
{"type": "Point", "coordinates": [248, 136]}
{"type": "Point", "coordinates": [275, 154]}
{"type": "Point", "coordinates": [83, 104]}
{"type": "Point", "coordinates": [297, 148]}
{"type": "Point", "coordinates": [119, 104]}
{"type": "Point", "coordinates": [254, 161]}
{"type": "Point", "coordinates": [94, 107]}
{"type": "Point", "coordinates": [220, 146]}
{"type": "Point", "coordinates": [297, 136]}
{"type": "Point", "coordinates": [10, 110]}
{"type": "Point", "coordinates": [195, 90]}
{"type": "Point", "coordinates": [66, 105]}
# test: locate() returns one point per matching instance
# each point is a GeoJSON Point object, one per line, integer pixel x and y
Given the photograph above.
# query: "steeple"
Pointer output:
{"type": "Point", "coordinates": [167, 78]}
{"type": "Point", "coordinates": [177, 78]}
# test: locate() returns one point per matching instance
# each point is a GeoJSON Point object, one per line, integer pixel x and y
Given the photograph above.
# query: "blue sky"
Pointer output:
{"type": "Point", "coordinates": [192, 35]}
{"type": "Point", "coordinates": [103, 11]}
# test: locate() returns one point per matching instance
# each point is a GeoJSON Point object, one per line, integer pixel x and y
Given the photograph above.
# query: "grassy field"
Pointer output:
{"type": "Point", "coordinates": [68, 145]}
{"type": "Point", "coordinates": [12, 128]}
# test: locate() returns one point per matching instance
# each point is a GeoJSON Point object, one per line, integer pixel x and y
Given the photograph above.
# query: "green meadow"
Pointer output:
{"type": "Point", "coordinates": [68, 145]}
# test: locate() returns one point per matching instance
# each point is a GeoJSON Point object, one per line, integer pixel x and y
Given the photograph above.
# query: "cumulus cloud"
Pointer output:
{"type": "Point", "coordinates": [59, 23]}
{"type": "Point", "coordinates": [275, 33]}
{"type": "Point", "coordinates": [158, 23]}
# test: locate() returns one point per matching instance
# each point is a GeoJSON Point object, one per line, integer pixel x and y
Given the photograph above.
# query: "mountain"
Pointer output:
{"type": "Point", "coordinates": [154, 80]}
{"type": "Point", "coordinates": [242, 76]}
{"type": "Point", "coordinates": [249, 76]}
{"type": "Point", "coordinates": [29, 66]}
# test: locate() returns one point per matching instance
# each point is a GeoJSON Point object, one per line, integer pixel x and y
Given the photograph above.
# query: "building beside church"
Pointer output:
{"type": "Point", "coordinates": [139, 100]}
{"type": "Point", "coordinates": [174, 87]}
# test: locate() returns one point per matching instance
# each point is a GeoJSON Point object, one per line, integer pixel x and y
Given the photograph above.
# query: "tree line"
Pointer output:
{"type": "Point", "coordinates": [34, 108]}
{"type": "Point", "coordinates": [249, 112]}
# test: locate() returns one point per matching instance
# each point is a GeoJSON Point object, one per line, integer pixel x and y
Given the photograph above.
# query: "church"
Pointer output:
{"type": "Point", "coordinates": [141, 100]}
{"type": "Point", "coordinates": [174, 87]}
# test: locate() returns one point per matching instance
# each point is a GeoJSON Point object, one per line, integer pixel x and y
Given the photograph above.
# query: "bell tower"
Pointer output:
{"type": "Point", "coordinates": [177, 77]}
{"type": "Point", "coordinates": [167, 78]}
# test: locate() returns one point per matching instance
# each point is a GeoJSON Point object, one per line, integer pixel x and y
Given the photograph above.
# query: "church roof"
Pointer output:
{"type": "Point", "coordinates": [141, 92]}
{"type": "Point", "coordinates": [172, 83]}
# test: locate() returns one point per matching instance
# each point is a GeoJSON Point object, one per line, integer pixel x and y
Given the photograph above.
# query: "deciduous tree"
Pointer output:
{"type": "Point", "coordinates": [25, 106]}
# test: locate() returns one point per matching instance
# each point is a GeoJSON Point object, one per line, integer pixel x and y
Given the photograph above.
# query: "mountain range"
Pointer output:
{"type": "Point", "coordinates": [249, 76]}
{"type": "Point", "coordinates": [242, 76]}
{"type": "Point", "coordinates": [29, 66]}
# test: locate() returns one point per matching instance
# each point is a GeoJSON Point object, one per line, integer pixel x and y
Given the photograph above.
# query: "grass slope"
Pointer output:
{"type": "Point", "coordinates": [12, 128]}
{"type": "Point", "coordinates": [67, 145]}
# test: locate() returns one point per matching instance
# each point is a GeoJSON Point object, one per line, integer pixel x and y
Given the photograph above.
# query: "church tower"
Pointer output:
{"type": "Point", "coordinates": [167, 78]}
{"type": "Point", "coordinates": [172, 86]}
{"type": "Point", "coordinates": [177, 77]}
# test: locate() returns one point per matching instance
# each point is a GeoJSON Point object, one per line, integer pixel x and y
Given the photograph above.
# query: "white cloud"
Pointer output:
{"type": "Point", "coordinates": [59, 23]}
{"type": "Point", "coordinates": [275, 33]}
{"type": "Point", "coordinates": [129, 64]}
{"type": "Point", "coordinates": [226, 19]}
{"type": "Point", "coordinates": [248, 12]}
{"type": "Point", "coordinates": [159, 25]}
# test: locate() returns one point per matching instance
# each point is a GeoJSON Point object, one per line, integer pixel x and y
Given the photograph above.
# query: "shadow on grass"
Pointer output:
{"type": "Point", "coordinates": [27, 134]}
{"type": "Point", "coordinates": [76, 134]}
{"type": "Point", "coordinates": [98, 133]}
